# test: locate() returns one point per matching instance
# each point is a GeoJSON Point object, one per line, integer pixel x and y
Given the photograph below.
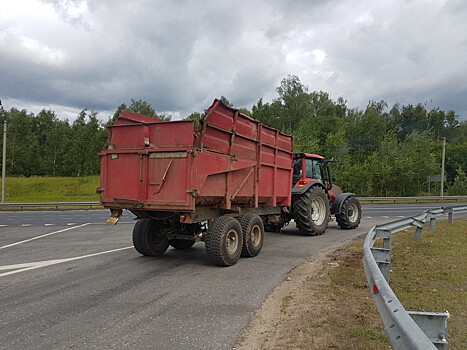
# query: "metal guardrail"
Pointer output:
{"type": "Point", "coordinates": [56, 205]}
{"type": "Point", "coordinates": [404, 329]}
{"type": "Point", "coordinates": [416, 199]}
{"type": "Point", "coordinates": [367, 199]}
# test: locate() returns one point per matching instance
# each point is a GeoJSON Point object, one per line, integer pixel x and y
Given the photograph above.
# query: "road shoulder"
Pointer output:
{"type": "Point", "coordinates": [296, 314]}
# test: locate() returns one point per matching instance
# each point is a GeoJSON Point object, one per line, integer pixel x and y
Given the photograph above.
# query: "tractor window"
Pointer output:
{"type": "Point", "coordinates": [297, 170]}
{"type": "Point", "coordinates": [313, 169]}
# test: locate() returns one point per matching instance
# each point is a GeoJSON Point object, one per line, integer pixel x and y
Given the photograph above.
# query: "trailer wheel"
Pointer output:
{"type": "Point", "coordinates": [311, 211]}
{"type": "Point", "coordinates": [181, 243]}
{"type": "Point", "coordinates": [253, 234]}
{"type": "Point", "coordinates": [350, 214]}
{"type": "Point", "coordinates": [149, 237]}
{"type": "Point", "coordinates": [224, 241]}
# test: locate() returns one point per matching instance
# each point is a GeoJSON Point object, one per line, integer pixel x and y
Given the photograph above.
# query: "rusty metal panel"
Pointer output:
{"type": "Point", "coordinates": [123, 177]}
{"type": "Point", "coordinates": [128, 118]}
{"type": "Point", "coordinates": [168, 179]}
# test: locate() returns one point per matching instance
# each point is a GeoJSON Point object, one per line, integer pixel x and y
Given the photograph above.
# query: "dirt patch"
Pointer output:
{"type": "Point", "coordinates": [323, 304]}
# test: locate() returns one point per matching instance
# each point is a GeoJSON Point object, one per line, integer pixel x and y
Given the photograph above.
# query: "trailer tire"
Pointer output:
{"type": "Point", "coordinates": [148, 237]}
{"type": "Point", "coordinates": [253, 234]}
{"type": "Point", "coordinates": [224, 241]}
{"type": "Point", "coordinates": [350, 214]}
{"type": "Point", "coordinates": [311, 211]}
{"type": "Point", "coordinates": [181, 243]}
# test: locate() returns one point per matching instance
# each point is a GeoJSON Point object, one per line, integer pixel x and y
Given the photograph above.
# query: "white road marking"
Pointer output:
{"type": "Point", "coordinates": [49, 224]}
{"type": "Point", "coordinates": [3, 225]}
{"type": "Point", "coordinates": [41, 236]}
{"type": "Point", "coordinates": [36, 265]}
{"type": "Point", "coordinates": [71, 223]}
{"type": "Point", "coordinates": [368, 217]}
{"type": "Point", "coordinates": [26, 225]}
{"type": "Point", "coordinates": [385, 217]}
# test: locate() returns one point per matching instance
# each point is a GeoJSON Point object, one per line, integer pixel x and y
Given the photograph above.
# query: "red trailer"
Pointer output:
{"type": "Point", "coordinates": [220, 183]}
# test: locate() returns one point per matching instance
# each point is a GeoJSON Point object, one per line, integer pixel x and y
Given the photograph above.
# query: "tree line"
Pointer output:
{"type": "Point", "coordinates": [386, 151]}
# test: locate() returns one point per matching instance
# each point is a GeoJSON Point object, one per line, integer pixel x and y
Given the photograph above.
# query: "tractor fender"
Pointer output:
{"type": "Point", "coordinates": [337, 205]}
{"type": "Point", "coordinates": [302, 190]}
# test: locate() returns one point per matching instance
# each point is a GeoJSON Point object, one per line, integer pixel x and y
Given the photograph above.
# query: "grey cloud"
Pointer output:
{"type": "Point", "coordinates": [179, 55]}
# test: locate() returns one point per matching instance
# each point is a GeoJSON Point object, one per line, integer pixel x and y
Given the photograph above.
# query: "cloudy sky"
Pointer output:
{"type": "Point", "coordinates": [67, 55]}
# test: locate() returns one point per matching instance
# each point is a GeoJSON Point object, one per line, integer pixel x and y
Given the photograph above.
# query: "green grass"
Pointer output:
{"type": "Point", "coordinates": [426, 275]}
{"type": "Point", "coordinates": [51, 189]}
{"type": "Point", "coordinates": [431, 275]}
{"type": "Point", "coordinates": [334, 308]}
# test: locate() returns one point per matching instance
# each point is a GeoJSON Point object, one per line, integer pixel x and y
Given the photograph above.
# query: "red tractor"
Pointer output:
{"type": "Point", "coordinates": [315, 197]}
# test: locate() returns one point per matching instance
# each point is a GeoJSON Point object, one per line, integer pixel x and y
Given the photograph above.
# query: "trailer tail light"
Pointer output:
{"type": "Point", "coordinates": [302, 183]}
{"type": "Point", "coordinates": [185, 219]}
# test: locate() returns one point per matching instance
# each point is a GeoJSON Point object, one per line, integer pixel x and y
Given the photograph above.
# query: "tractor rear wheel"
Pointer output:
{"type": "Point", "coordinates": [150, 237]}
{"type": "Point", "coordinates": [253, 234]}
{"type": "Point", "coordinates": [224, 241]}
{"type": "Point", "coordinates": [350, 214]}
{"type": "Point", "coordinates": [311, 211]}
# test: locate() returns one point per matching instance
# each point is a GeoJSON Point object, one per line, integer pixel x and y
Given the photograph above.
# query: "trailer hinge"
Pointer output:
{"type": "Point", "coordinates": [194, 192]}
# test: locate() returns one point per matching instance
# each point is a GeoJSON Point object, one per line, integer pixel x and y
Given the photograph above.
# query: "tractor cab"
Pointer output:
{"type": "Point", "coordinates": [308, 168]}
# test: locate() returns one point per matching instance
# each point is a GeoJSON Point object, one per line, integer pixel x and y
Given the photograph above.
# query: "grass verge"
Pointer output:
{"type": "Point", "coordinates": [326, 304]}
{"type": "Point", "coordinates": [51, 189]}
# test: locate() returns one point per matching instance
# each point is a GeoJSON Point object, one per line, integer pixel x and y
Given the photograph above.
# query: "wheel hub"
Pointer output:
{"type": "Point", "coordinates": [352, 213]}
{"type": "Point", "coordinates": [231, 241]}
{"type": "Point", "coordinates": [255, 235]}
{"type": "Point", "coordinates": [318, 207]}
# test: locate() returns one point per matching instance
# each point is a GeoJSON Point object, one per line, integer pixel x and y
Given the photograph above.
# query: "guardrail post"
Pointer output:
{"type": "Point", "coordinates": [383, 258]}
{"type": "Point", "coordinates": [418, 233]}
{"type": "Point", "coordinates": [383, 255]}
{"type": "Point", "coordinates": [449, 211]}
{"type": "Point", "coordinates": [432, 218]}
{"type": "Point", "coordinates": [434, 325]}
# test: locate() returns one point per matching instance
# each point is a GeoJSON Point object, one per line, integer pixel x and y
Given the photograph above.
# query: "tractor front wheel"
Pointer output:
{"type": "Point", "coordinates": [311, 211]}
{"type": "Point", "coordinates": [350, 214]}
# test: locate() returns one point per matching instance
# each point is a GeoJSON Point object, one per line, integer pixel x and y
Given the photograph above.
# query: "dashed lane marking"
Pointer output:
{"type": "Point", "coordinates": [41, 236]}
{"type": "Point", "coordinates": [36, 265]}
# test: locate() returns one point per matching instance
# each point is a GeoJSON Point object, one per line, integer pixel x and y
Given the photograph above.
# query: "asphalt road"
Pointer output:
{"type": "Point", "coordinates": [68, 281]}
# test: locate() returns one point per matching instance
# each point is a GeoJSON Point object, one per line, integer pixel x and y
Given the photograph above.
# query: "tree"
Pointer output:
{"type": "Point", "coordinates": [365, 131]}
{"type": "Point", "coordinates": [196, 117]}
{"type": "Point", "coordinates": [226, 101]}
{"type": "Point", "coordinates": [294, 98]}
{"type": "Point", "coordinates": [88, 139]}
{"type": "Point", "coordinates": [140, 107]}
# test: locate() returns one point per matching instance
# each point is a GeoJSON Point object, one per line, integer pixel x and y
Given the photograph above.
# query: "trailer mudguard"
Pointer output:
{"type": "Point", "coordinates": [337, 205]}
